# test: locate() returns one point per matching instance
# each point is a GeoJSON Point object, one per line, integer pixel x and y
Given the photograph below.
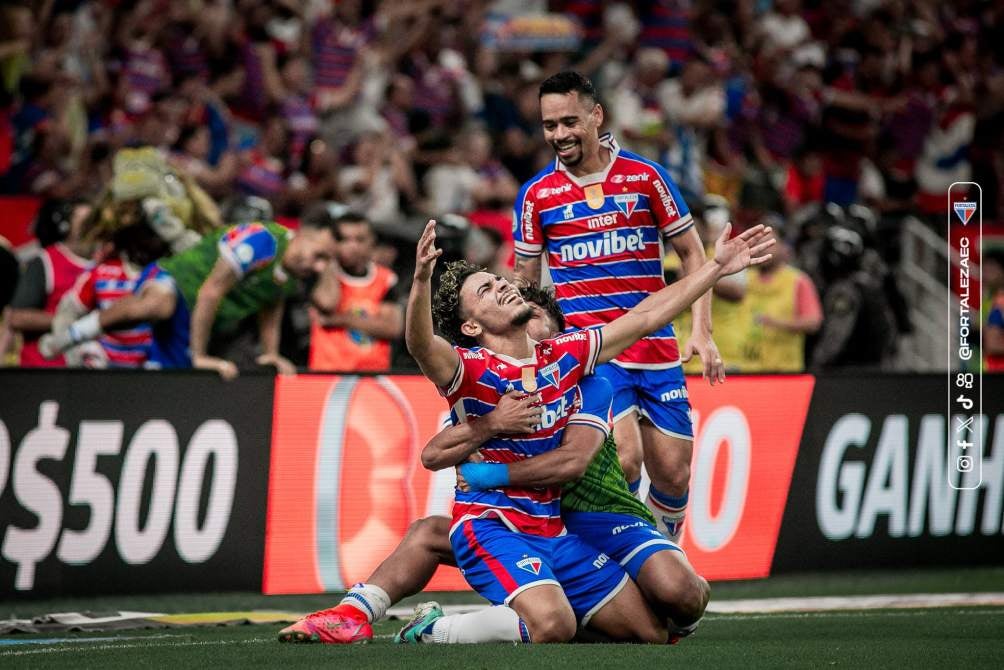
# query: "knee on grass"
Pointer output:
{"type": "Point", "coordinates": [551, 627]}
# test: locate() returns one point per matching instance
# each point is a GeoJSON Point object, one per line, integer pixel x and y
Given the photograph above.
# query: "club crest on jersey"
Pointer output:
{"type": "Point", "coordinates": [551, 374]}
{"type": "Point", "coordinates": [626, 203]}
{"type": "Point", "coordinates": [530, 564]}
{"type": "Point", "coordinates": [568, 212]}
{"type": "Point", "coordinates": [964, 209]}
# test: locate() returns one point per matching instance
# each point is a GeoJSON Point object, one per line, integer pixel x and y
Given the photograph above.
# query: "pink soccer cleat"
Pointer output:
{"type": "Point", "coordinates": [343, 624]}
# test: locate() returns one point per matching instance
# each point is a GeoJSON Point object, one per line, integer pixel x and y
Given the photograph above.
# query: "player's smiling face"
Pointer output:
{"type": "Point", "coordinates": [491, 304]}
{"type": "Point", "coordinates": [571, 126]}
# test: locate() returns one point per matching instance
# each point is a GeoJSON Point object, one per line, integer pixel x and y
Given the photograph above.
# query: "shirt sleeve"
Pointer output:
{"type": "Point", "coordinates": [584, 345]}
{"type": "Point", "coordinates": [31, 287]}
{"type": "Point", "coordinates": [597, 404]}
{"type": "Point", "coordinates": [669, 211]}
{"type": "Point", "coordinates": [527, 233]}
{"type": "Point", "coordinates": [248, 247]}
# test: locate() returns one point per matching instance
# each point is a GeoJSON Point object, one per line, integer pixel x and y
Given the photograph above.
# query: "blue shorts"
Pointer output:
{"type": "Point", "coordinates": [500, 564]}
{"type": "Point", "coordinates": [623, 537]}
{"type": "Point", "coordinates": [658, 395]}
{"type": "Point", "coordinates": [170, 345]}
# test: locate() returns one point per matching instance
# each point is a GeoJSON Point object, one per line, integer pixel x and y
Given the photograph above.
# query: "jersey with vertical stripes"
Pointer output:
{"type": "Point", "coordinates": [482, 378]}
{"type": "Point", "coordinates": [601, 234]}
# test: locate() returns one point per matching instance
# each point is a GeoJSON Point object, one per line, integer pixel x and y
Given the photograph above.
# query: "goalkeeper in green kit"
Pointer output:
{"type": "Point", "coordinates": [596, 505]}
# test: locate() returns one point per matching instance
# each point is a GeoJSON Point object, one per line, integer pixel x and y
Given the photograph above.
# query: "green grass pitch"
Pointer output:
{"type": "Point", "coordinates": [960, 637]}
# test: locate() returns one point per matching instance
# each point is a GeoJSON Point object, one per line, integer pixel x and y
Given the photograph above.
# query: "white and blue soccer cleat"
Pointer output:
{"type": "Point", "coordinates": [421, 623]}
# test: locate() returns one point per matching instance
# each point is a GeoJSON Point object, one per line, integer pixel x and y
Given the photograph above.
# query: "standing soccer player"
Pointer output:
{"type": "Point", "coordinates": [601, 214]}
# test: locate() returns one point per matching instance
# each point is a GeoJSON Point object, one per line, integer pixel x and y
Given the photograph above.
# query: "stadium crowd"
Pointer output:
{"type": "Point", "coordinates": [832, 120]}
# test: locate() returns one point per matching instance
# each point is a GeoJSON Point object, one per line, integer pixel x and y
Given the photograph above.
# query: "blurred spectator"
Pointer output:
{"type": "Point", "coordinates": [48, 276]}
{"type": "Point", "coordinates": [471, 179]}
{"type": "Point", "coordinates": [728, 315]}
{"type": "Point", "coordinates": [377, 180]}
{"type": "Point", "coordinates": [993, 328]}
{"type": "Point", "coordinates": [783, 307]}
{"type": "Point", "coordinates": [781, 106]}
{"type": "Point", "coordinates": [355, 323]}
{"type": "Point", "coordinates": [638, 119]}
{"type": "Point", "coordinates": [211, 288]}
{"type": "Point", "coordinates": [694, 104]}
{"type": "Point", "coordinates": [133, 246]}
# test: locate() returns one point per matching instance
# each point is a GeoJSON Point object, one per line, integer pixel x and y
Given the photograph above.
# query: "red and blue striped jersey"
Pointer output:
{"type": "Point", "coordinates": [602, 234]}
{"type": "Point", "coordinates": [98, 288]}
{"type": "Point", "coordinates": [482, 378]}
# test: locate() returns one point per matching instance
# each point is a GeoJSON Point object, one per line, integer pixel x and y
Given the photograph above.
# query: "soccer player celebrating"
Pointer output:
{"type": "Point", "coordinates": [231, 274]}
{"type": "Point", "coordinates": [596, 504]}
{"type": "Point", "coordinates": [599, 212]}
{"type": "Point", "coordinates": [510, 542]}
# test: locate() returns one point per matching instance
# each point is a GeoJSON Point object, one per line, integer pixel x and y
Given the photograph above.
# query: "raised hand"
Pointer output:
{"type": "Point", "coordinates": [427, 253]}
{"type": "Point", "coordinates": [746, 249]}
{"type": "Point", "coordinates": [515, 413]}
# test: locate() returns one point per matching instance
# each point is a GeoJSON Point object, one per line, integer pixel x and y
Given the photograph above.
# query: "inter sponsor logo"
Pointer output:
{"type": "Point", "coordinates": [612, 242]}
{"type": "Point", "coordinates": [601, 221]}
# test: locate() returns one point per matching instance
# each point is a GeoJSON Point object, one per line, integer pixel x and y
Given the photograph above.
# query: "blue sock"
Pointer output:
{"type": "Point", "coordinates": [634, 486]}
{"type": "Point", "coordinates": [668, 501]}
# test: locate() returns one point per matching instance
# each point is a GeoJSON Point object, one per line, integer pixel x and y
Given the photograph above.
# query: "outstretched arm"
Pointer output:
{"type": "Point", "coordinates": [660, 308]}
{"type": "Point", "coordinates": [437, 358]}
{"type": "Point", "coordinates": [221, 279]}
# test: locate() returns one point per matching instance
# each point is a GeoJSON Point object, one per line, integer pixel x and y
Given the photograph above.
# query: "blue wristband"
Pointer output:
{"type": "Point", "coordinates": [481, 476]}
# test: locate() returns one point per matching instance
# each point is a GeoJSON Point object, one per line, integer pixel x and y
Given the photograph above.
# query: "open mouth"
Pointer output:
{"type": "Point", "coordinates": [565, 149]}
{"type": "Point", "coordinates": [509, 298]}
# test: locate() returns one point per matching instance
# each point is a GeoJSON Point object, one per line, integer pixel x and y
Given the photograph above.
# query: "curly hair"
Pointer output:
{"type": "Point", "coordinates": [446, 302]}
{"type": "Point", "coordinates": [546, 300]}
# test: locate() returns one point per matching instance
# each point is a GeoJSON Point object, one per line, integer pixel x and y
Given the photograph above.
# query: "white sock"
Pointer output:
{"type": "Point", "coordinates": [494, 624]}
{"type": "Point", "coordinates": [369, 599]}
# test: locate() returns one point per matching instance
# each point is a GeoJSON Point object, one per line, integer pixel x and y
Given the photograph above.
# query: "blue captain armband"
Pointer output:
{"type": "Point", "coordinates": [481, 476]}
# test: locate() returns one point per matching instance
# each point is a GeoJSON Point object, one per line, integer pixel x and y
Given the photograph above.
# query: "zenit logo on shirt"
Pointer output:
{"type": "Point", "coordinates": [530, 564]}
{"type": "Point", "coordinates": [964, 209]}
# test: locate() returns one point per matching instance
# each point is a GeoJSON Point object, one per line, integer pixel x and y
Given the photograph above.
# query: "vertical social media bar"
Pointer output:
{"type": "Point", "coordinates": [964, 319]}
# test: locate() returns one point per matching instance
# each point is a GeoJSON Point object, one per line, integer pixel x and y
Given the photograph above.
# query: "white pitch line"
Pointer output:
{"type": "Point", "coordinates": [841, 603]}
{"type": "Point", "coordinates": [62, 649]}
{"type": "Point", "coordinates": [808, 604]}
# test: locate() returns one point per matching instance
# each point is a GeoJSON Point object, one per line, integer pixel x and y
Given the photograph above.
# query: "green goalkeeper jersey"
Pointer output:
{"type": "Point", "coordinates": [603, 488]}
{"type": "Point", "coordinates": [254, 251]}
